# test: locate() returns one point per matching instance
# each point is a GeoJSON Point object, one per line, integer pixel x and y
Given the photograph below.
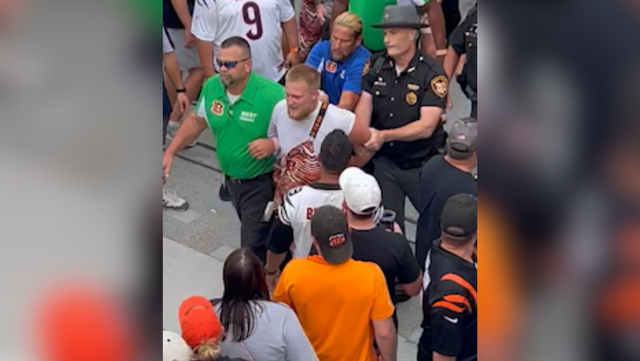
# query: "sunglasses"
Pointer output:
{"type": "Point", "coordinates": [229, 64]}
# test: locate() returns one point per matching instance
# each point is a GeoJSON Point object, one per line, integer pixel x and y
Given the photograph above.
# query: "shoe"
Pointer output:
{"type": "Point", "coordinates": [170, 200]}
{"type": "Point", "coordinates": [223, 193]}
{"type": "Point", "coordinates": [172, 129]}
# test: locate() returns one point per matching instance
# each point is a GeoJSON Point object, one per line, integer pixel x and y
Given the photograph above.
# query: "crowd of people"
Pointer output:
{"type": "Point", "coordinates": [320, 143]}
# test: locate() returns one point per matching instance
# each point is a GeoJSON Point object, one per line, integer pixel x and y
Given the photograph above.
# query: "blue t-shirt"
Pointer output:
{"type": "Point", "coordinates": [337, 77]}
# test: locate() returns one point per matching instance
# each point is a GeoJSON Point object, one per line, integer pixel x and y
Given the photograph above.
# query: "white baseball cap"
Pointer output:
{"type": "Point", "coordinates": [362, 193]}
{"type": "Point", "coordinates": [174, 348]}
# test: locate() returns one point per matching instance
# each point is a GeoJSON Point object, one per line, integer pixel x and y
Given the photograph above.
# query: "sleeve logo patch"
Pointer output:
{"type": "Point", "coordinates": [331, 66]}
{"type": "Point", "coordinates": [440, 85]}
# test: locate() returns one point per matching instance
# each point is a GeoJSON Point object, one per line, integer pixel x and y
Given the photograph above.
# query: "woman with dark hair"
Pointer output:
{"type": "Point", "coordinates": [256, 328]}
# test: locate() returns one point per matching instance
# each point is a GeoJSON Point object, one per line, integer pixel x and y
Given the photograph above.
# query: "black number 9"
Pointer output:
{"type": "Point", "coordinates": [252, 18]}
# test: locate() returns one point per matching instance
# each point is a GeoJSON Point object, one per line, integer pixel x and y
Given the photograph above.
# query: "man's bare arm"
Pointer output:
{"type": "Point", "coordinates": [364, 108]}
{"type": "Point", "coordinates": [339, 6]}
{"type": "Point", "coordinates": [386, 338]}
{"type": "Point", "coordinates": [182, 10]}
{"type": "Point", "coordinates": [420, 129]}
{"type": "Point", "coordinates": [190, 129]}
{"type": "Point", "coordinates": [205, 53]}
{"type": "Point", "coordinates": [451, 62]}
{"type": "Point", "coordinates": [436, 20]}
{"type": "Point", "coordinates": [290, 29]}
{"type": "Point", "coordinates": [413, 288]}
{"type": "Point", "coordinates": [348, 100]}
{"type": "Point", "coordinates": [172, 69]}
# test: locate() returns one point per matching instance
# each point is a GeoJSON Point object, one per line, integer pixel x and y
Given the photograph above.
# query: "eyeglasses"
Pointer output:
{"type": "Point", "coordinates": [229, 64]}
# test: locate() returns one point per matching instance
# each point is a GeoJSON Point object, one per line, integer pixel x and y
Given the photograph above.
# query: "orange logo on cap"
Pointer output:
{"type": "Point", "coordinates": [337, 240]}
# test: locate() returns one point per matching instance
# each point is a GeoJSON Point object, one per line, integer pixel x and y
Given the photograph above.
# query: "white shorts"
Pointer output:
{"type": "Point", "coordinates": [187, 57]}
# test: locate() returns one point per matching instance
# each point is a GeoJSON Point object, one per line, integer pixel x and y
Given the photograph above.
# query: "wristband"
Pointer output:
{"type": "Point", "coordinates": [293, 50]}
{"type": "Point", "coordinates": [426, 30]}
{"type": "Point", "coordinates": [442, 52]}
{"type": "Point", "coordinates": [183, 90]}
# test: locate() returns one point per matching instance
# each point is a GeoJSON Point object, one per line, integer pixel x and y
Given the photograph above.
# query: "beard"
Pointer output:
{"type": "Point", "coordinates": [226, 80]}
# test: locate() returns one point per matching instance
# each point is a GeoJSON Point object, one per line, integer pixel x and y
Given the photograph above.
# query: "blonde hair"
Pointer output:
{"type": "Point", "coordinates": [208, 351]}
{"type": "Point", "coordinates": [306, 74]}
{"type": "Point", "coordinates": [350, 21]}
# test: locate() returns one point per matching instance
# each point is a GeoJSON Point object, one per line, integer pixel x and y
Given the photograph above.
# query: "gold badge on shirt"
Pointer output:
{"type": "Point", "coordinates": [217, 108]}
{"type": "Point", "coordinates": [365, 71]}
{"type": "Point", "coordinates": [440, 85]}
{"type": "Point", "coordinates": [411, 98]}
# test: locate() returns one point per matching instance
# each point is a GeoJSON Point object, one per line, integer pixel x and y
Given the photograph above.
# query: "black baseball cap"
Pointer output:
{"type": "Point", "coordinates": [330, 229]}
{"type": "Point", "coordinates": [459, 220]}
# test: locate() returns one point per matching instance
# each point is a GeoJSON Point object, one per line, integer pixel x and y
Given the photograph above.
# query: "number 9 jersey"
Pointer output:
{"type": "Point", "coordinates": [258, 21]}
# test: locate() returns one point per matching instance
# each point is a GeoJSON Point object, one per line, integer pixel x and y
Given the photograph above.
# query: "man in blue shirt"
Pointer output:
{"type": "Point", "coordinates": [342, 61]}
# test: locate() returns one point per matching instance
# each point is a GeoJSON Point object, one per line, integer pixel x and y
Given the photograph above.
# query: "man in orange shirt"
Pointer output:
{"type": "Point", "coordinates": [342, 304]}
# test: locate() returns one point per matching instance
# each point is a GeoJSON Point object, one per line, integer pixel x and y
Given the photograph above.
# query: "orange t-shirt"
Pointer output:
{"type": "Point", "coordinates": [336, 305]}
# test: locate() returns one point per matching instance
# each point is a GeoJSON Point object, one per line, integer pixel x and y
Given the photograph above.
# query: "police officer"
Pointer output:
{"type": "Point", "coordinates": [464, 40]}
{"type": "Point", "coordinates": [403, 95]}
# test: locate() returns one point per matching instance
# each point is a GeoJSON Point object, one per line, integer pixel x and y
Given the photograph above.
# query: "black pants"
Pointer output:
{"type": "Point", "coordinates": [250, 198]}
{"type": "Point", "coordinates": [474, 109]}
{"type": "Point", "coordinates": [397, 184]}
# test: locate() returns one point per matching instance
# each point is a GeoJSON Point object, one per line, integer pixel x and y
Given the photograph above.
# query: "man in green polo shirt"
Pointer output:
{"type": "Point", "coordinates": [237, 105]}
{"type": "Point", "coordinates": [370, 11]}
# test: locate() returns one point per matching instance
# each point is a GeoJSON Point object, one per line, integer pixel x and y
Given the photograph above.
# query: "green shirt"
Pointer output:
{"type": "Point", "coordinates": [370, 11]}
{"type": "Point", "coordinates": [235, 126]}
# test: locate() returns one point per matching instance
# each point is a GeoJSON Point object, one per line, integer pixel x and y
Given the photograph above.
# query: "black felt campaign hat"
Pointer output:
{"type": "Point", "coordinates": [400, 17]}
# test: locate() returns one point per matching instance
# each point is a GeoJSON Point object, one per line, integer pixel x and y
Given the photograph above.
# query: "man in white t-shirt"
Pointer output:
{"type": "Point", "coordinates": [260, 22]}
{"type": "Point", "coordinates": [292, 229]}
{"type": "Point", "coordinates": [293, 118]}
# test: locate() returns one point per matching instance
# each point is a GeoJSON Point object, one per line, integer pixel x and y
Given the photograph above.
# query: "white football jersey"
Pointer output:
{"type": "Point", "coordinates": [298, 207]}
{"type": "Point", "coordinates": [258, 21]}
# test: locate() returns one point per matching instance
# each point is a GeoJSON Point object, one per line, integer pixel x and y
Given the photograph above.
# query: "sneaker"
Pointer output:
{"type": "Point", "coordinates": [172, 129]}
{"type": "Point", "coordinates": [223, 193]}
{"type": "Point", "coordinates": [171, 200]}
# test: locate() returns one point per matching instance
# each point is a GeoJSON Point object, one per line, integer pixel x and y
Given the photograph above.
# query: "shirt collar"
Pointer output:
{"type": "Point", "coordinates": [248, 95]}
{"type": "Point", "coordinates": [413, 64]}
{"type": "Point", "coordinates": [326, 187]}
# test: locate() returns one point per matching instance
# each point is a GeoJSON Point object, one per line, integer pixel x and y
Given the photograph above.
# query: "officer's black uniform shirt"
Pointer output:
{"type": "Point", "coordinates": [397, 101]}
{"type": "Point", "coordinates": [450, 306]}
{"type": "Point", "coordinates": [464, 40]}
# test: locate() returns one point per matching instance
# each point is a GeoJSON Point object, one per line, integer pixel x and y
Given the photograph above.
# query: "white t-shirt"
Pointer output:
{"type": "Point", "coordinates": [298, 208]}
{"type": "Point", "coordinates": [258, 21]}
{"type": "Point", "coordinates": [166, 44]}
{"type": "Point", "coordinates": [291, 132]}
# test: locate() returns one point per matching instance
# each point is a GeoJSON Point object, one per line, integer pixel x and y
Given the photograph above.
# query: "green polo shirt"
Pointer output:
{"type": "Point", "coordinates": [370, 11]}
{"type": "Point", "coordinates": [235, 126]}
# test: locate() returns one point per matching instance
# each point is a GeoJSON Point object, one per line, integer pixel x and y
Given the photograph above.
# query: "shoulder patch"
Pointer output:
{"type": "Point", "coordinates": [440, 85]}
{"type": "Point", "coordinates": [367, 64]}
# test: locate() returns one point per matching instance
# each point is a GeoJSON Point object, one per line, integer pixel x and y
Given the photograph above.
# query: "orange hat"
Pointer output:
{"type": "Point", "coordinates": [198, 321]}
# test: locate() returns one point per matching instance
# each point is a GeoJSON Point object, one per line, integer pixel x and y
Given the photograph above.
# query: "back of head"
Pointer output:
{"type": "Point", "coordinates": [459, 220]}
{"type": "Point", "coordinates": [244, 282]}
{"type": "Point", "coordinates": [336, 152]}
{"type": "Point", "coordinates": [240, 42]}
{"type": "Point", "coordinates": [303, 73]}
{"type": "Point", "coordinates": [362, 193]}
{"type": "Point", "coordinates": [208, 351]}
{"type": "Point", "coordinates": [330, 230]}
{"type": "Point", "coordinates": [462, 142]}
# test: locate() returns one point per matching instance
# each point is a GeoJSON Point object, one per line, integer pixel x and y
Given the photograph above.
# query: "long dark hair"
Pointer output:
{"type": "Point", "coordinates": [244, 283]}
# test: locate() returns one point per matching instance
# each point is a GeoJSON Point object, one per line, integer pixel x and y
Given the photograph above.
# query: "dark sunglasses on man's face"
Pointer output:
{"type": "Point", "coordinates": [229, 64]}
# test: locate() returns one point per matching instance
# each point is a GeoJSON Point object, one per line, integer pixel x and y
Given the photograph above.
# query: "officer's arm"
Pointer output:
{"type": "Point", "coordinates": [420, 129]}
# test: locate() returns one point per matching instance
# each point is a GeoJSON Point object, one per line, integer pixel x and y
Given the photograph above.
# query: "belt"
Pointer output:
{"type": "Point", "coordinates": [412, 164]}
{"type": "Point", "coordinates": [261, 177]}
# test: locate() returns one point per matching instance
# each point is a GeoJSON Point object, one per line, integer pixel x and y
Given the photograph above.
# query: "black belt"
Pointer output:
{"type": "Point", "coordinates": [261, 177]}
{"type": "Point", "coordinates": [411, 164]}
